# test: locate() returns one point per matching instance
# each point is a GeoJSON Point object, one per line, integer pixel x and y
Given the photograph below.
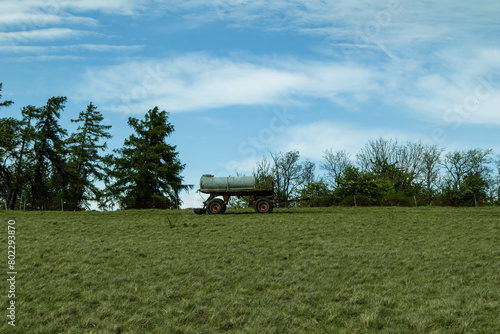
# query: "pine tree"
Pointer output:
{"type": "Point", "coordinates": [9, 142]}
{"type": "Point", "coordinates": [51, 175]}
{"type": "Point", "coordinates": [85, 161]}
{"type": "Point", "coordinates": [4, 103]}
{"type": "Point", "coordinates": [12, 145]}
{"type": "Point", "coordinates": [146, 171]}
{"type": "Point", "coordinates": [17, 140]}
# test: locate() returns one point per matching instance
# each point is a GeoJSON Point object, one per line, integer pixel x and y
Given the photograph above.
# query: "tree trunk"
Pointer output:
{"type": "Point", "coordinates": [12, 198]}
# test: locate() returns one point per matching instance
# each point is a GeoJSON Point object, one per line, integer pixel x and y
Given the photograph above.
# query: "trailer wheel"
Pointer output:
{"type": "Point", "coordinates": [263, 205]}
{"type": "Point", "coordinates": [216, 207]}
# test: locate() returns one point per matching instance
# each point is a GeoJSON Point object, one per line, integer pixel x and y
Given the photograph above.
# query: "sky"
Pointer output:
{"type": "Point", "coordinates": [244, 78]}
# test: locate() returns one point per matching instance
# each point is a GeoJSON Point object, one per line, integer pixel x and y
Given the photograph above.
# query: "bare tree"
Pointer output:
{"type": "Point", "coordinates": [263, 173]}
{"type": "Point", "coordinates": [377, 151]}
{"type": "Point", "coordinates": [460, 164]}
{"type": "Point", "coordinates": [289, 174]}
{"type": "Point", "coordinates": [335, 164]}
{"type": "Point", "coordinates": [431, 161]}
{"type": "Point", "coordinates": [410, 158]}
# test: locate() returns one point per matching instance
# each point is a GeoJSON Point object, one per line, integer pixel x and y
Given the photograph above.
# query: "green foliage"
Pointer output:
{"type": "Point", "coordinates": [399, 180]}
{"type": "Point", "coordinates": [17, 154]}
{"type": "Point", "coordinates": [394, 198]}
{"type": "Point", "coordinates": [318, 195]}
{"type": "Point", "coordinates": [9, 141]}
{"type": "Point", "coordinates": [306, 270]}
{"type": "Point", "coordinates": [145, 173]}
{"type": "Point", "coordinates": [361, 184]}
{"type": "Point", "coordinates": [390, 174]}
{"type": "Point", "coordinates": [4, 103]}
{"type": "Point", "coordinates": [50, 170]}
{"type": "Point", "coordinates": [289, 175]}
{"type": "Point", "coordinates": [471, 192]}
{"type": "Point", "coordinates": [51, 175]}
{"type": "Point", "coordinates": [286, 175]}
{"type": "Point", "coordinates": [85, 159]}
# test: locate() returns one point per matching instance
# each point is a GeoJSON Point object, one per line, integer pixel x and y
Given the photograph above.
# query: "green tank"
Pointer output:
{"type": "Point", "coordinates": [209, 183]}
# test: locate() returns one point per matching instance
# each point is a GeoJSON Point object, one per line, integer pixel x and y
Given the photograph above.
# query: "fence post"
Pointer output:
{"type": "Point", "coordinates": [355, 204]}
{"type": "Point", "coordinates": [62, 205]}
{"type": "Point", "coordinates": [415, 200]}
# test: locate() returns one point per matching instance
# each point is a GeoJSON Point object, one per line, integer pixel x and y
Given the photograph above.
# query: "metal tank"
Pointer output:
{"type": "Point", "coordinates": [226, 184]}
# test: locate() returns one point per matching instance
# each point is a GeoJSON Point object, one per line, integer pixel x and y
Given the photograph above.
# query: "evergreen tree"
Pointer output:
{"type": "Point", "coordinates": [4, 103]}
{"type": "Point", "coordinates": [86, 162]}
{"type": "Point", "coordinates": [9, 142]}
{"type": "Point", "coordinates": [16, 142]}
{"type": "Point", "coordinates": [13, 141]}
{"type": "Point", "coordinates": [146, 171]}
{"type": "Point", "coordinates": [51, 174]}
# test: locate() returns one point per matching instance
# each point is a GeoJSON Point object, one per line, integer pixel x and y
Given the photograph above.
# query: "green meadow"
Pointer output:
{"type": "Point", "coordinates": [307, 270]}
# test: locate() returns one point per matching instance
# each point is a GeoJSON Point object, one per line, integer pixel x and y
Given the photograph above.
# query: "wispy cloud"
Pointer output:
{"type": "Point", "coordinates": [50, 34]}
{"type": "Point", "coordinates": [60, 8]}
{"type": "Point", "coordinates": [463, 88]}
{"type": "Point", "coordinates": [40, 20]}
{"type": "Point", "coordinates": [311, 140]}
{"type": "Point", "coordinates": [198, 82]}
{"type": "Point", "coordinates": [26, 25]}
{"type": "Point", "coordinates": [37, 49]}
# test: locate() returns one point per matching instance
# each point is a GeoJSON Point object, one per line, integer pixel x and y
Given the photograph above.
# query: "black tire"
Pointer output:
{"type": "Point", "coordinates": [200, 211]}
{"type": "Point", "coordinates": [263, 205]}
{"type": "Point", "coordinates": [216, 207]}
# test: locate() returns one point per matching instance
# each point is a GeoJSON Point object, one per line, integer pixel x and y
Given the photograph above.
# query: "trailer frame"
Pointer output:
{"type": "Point", "coordinates": [261, 199]}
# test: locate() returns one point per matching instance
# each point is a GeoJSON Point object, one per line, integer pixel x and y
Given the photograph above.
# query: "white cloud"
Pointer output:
{"type": "Point", "coordinates": [311, 140]}
{"type": "Point", "coordinates": [72, 48]}
{"type": "Point", "coordinates": [121, 7]}
{"type": "Point", "coordinates": [197, 82]}
{"type": "Point", "coordinates": [48, 58]}
{"type": "Point", "coordinates": [39, 20]}
{"type": "Point", "coordinates": [27, 22]}
{"type": "Point", "coordinates": [59, 8]}
{"type": "Point", "coordinates": [20, 37]}
{"type": "Point", "coordinates": [465, 89]}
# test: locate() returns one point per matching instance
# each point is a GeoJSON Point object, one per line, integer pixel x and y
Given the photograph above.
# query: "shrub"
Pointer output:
{"type": "Point", "coordinates": [397, 199]}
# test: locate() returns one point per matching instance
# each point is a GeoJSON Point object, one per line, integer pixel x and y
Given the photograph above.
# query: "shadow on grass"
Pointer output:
{"type": "Point", "coordinates": [252, 212]}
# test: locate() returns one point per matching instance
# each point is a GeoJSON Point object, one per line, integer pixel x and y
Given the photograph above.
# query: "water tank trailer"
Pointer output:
{"type": "Point", "coordinates": [226, 187]}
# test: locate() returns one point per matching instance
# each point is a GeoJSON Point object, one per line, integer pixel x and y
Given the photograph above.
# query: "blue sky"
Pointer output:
{"type": "Point", "coordinates": [242, 78]}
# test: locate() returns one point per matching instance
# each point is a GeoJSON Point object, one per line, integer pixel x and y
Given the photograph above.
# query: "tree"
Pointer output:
{"type": "Point", "coordinates": [50, 170]}
{"type": "Point", "coordinates": [431, 161]}
{"type": "Point", "coordinates": [16, 154]}
{"type": "Point", "coordinates": [468, 177]}
{"type": "Point", "coordinates": [263, 174]}
{"type": "Point", "coordinates": [459, 164]}
{"type": "Point", "coordinates": [335, 164]}
{"type": "Point", "coordinates": [145, 173]}
{"type": "Point", "coordinates": [285, 174]}
{"type": "Point", "coordinates": [317, 193]}
{"type": "Point", "coordinates": [361, 187]}
{"type": "Point", "coordinates": [376, 151]}
{"type": "Point", "coordinates": [9, 143]}
{"type": "Point", "coordinates": [497, 190]}
{"type": "Point", "coordinates": [289, 175]}
{"type": "Point", "coordinates": [86, 162]}
{"type": "Point", "coordinates": [4, 103]}
{"type": "Point", "coordinates": [51, 175]}
{"type": "Point", "coordinates": [409, 158]}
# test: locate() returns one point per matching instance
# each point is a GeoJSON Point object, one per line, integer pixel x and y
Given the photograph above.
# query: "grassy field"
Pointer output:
{"type": "Point", "coordinates": [334, 270]}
